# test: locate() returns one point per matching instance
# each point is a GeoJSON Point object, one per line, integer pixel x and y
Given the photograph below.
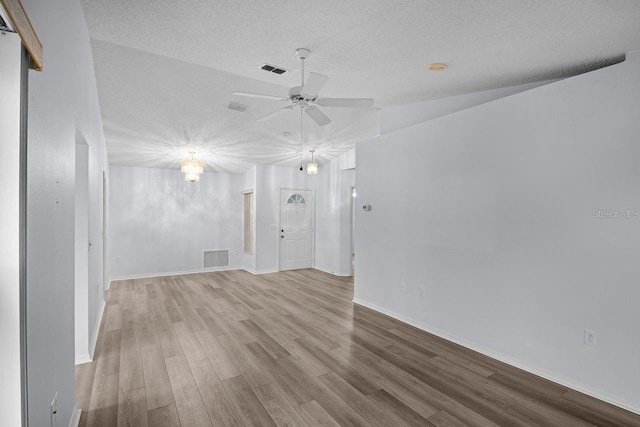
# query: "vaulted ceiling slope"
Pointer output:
{"type": "Point", "coordinates": [167, 70]}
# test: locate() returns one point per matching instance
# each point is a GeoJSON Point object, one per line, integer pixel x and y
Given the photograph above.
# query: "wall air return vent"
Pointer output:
{"type": "Point", "coordinates": [213, 259]}
{"type": "Point", "coordinates": [237, 107]}
{"type": "Point", "coordinates": [273, 69]}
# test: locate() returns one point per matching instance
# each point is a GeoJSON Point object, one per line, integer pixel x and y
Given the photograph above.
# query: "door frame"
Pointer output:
{"type": "Point", "coordinates": [24, 141]}
{"type": "Point", "coordinates": [352, 229]}
{"type": "Point", "coordinates": [313, 223]}
{"type": "Point", "coordinates": [106, 283]}
{"type": "Point", "coordinates": [82, 249]}
{"type": "Point", "coordinates": [13, 207]}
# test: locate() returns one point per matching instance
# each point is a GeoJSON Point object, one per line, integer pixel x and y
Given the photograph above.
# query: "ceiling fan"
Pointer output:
{"type": "Point", "coordinates": [306, 97]}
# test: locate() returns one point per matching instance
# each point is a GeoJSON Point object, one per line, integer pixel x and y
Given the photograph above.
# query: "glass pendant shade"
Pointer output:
{"type": "Point", "coordinates": [312, 167]}
{"type": "Point", "coordinates": [191, 177]}
{"type": "Point", "coordinates": [192, 168]}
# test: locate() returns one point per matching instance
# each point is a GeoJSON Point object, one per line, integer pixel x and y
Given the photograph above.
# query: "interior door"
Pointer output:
{"type": "Point", "coordinates": [296, 229]}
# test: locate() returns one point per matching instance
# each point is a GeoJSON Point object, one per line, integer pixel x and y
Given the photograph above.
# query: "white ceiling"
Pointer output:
{"type": "Point", "coordinates": [167, 69]}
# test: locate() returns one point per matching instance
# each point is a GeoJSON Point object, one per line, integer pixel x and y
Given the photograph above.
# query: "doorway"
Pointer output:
{"type": "Point", "coordinates": [82, 252]}
{"type": "Point", "coordinates": [353, 196]}
{"type": "Point", "coordinates": [105, 227]}
{"type": "Point", "coordinates": [296, 229]}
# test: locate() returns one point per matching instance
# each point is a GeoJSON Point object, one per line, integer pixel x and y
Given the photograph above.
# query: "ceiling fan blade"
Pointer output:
{"type": "Point", "coordinates": [259, 95]}
{"type": "Point", "coordinates": [275, 113]}
{"type": "Point", "coordinates": [314, 83]}
{"type": "Point", "coordinates": [317, 116]}
{"type": "Point", "coordinates": [345, 102]}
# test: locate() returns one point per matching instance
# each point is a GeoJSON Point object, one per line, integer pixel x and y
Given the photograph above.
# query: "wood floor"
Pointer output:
{"type": "Point", "coordinates": [230, 348]}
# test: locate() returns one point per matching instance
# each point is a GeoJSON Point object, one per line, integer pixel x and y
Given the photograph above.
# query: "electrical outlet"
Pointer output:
{"type": "Point", "coordinates": [589, 337]}
{"type": "Point", "coordinates": [420, 291]}
{"type": "Point", "coordinates": [403, 286]}
{"type": "Point", "coordinates": [54, 408]}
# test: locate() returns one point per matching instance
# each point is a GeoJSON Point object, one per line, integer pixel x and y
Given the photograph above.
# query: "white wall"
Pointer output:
{"type": "Point", "coordinates": [403, 116]}
{"type": "Point", "coordinates": [269, 180]}
{"type": "Point", "coordinates": [62, 102]}
{"type": "Point", "coordinates": [10, 247]}
{"type": "Point", "coordinates": [333, 214]}
{"type": "Point", "coordinates": [490, 211]}
{"type": "Point", "coordinates": [159, 223]}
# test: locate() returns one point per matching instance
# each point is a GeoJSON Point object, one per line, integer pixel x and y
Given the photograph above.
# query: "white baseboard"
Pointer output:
{"type": "Point", "coordinates": [83, 358]}
{"type": "Point", "coordinates": [257, 273]}
{"type": "Point", "coordinates": [175, 273]}
{"type": "Point", "coordinates": [331, 272]}
{"type": "Point", "coordinates": [502, 358]}
{"type": "Point", "coordinates": [96, 332]}
{"type": "Point", "coordinates": [75, 416]}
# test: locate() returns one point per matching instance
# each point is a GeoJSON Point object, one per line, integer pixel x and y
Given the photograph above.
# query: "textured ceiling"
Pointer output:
{"type": "Point", "coordinates": [167, 69]}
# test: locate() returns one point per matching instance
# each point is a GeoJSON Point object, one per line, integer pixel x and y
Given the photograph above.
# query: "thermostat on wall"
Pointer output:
{"type": "Point", "coordinates": [366, 208]}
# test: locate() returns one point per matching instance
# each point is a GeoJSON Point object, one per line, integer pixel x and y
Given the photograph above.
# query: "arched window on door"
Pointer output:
{"type": "Point", "coordinates": [296, 199]}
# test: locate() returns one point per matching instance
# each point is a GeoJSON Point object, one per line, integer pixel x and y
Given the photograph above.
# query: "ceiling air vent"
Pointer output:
{"type": "Point", "coordinates": [237, 107]}
{"type": "Point", "coordinates": [273, 69]}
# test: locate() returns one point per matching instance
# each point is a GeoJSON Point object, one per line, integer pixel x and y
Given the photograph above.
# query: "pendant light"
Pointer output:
{"type": "Point", "coordinates": [192, 168]}
{"type": "Point", "coordinates": [312, 167]}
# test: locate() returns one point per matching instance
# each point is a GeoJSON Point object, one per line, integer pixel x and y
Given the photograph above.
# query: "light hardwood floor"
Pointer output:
{"type": "Point", "coordinates": [290, 348]}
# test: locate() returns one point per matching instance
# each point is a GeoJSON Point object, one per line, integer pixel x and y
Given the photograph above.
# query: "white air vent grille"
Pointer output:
{"type": "Point", "coordinates": [212, 259]}
{"type": "Point", "coordinates": [237, 107]}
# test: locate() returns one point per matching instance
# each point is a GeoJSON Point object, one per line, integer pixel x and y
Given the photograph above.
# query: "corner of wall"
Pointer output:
{"type": "Point", "coordinates": [75, 417]}
{"type": "Point", "coordinates": [484, 239]}
{"type": "Point", "coordinates": [96, 331]}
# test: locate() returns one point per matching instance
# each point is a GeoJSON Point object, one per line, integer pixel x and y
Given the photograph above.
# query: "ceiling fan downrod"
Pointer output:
{"type": "Point", "coordinates": [302, 53]}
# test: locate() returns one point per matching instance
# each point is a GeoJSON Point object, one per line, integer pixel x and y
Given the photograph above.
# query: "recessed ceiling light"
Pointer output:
{"type": "Point", "coordinates": [437, 66]}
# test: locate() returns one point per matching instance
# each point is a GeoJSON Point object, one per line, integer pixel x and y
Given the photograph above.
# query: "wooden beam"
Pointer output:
{"type": "Point", "coordinates": [20, 22]}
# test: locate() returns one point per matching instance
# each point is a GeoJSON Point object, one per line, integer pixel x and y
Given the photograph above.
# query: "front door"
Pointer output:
{"type": "Point", "coordinates": [296, 230]}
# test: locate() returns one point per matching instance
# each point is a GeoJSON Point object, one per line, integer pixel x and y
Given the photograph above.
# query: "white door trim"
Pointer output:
{"type": "Point", "coordinates": [313, 223]}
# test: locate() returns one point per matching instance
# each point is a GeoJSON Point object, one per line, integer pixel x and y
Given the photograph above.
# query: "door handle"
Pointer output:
{"type": "Point", "coordinates": [282, 236]}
